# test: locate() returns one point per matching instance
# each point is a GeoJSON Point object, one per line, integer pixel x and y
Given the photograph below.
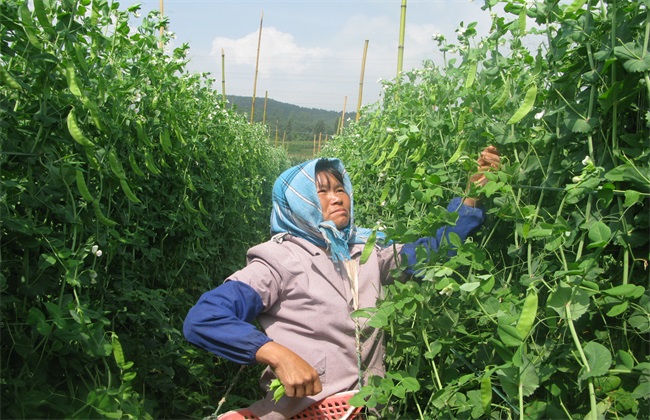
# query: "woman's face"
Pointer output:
{"type": "Point", "coordinates": [334, 201]}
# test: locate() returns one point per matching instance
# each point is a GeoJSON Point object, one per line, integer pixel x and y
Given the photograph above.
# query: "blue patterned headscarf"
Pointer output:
{"type": "Point", "coordinates": [297, 210]}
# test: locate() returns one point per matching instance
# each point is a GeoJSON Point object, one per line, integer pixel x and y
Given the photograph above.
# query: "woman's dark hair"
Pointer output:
{"type": "Point", "coordinates": [325, 165]}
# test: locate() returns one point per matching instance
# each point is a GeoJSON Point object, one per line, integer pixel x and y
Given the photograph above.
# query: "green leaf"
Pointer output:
{"type": "Point", "coordinates": [618, 309]}
{"type": "Point", "coordinates": [627, 172]}
{"type": "Point", "coordinates": [599, 234]}
{"type": "Point", "coordinates": [631, 198]}
{"type": "Point", "coordinates": [575, 6]}
{"type": "Point", "coordinates": [509, 335]}
{"type": "Point", "coordinates": [622, 290]}
{"type": "Point", "coordinates": [578, 124]}
{"type": "Point", "coordinates": [562, 296]}
{"type": "Point", "coordinates": [46, 260]}
{"type": "Point", "coordinates": [528, 379]}
{"type": "Point", "coordinates": [469, 287]}
{"type": "Point", "coordinates": [599, 359]}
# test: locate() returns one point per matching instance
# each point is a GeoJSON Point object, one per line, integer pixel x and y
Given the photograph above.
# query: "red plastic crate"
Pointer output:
{"type": "Point", "coordinates": [334, 407]}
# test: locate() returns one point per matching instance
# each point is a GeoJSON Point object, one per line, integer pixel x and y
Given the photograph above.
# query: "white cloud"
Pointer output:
{"type": "Point", "coordinates": [279, 53]}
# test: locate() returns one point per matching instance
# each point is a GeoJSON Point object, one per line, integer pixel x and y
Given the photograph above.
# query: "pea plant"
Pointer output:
{"type": "Point", "coordinates": [127, 190]}
{"type": "Point", "coordinates": [545, 312]}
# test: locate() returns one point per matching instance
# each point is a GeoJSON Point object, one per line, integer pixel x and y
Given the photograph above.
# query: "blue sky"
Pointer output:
{"type": "Point", "coordinates": [311, 51]}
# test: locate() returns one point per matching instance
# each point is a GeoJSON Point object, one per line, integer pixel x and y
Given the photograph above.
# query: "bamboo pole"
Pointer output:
{"type": "Point", "coordinates": [223, 75]}
{"type": "Point", "coordinates": [400, 48]}
{"type": "Point", "coordinates": [257, 63]}
{"type": "Point", "coordinates": [266, 98]}
{"type": "Point", "coordinates": [363, 70]}
{"type": "Point", "coordinates": [313, 147]}
{"type": "Point", "coordinates": [162, 29]}
{"type": "Point", "coordinates": [276, 134]}
{"type": "Point", "coordinates": [320, 136]}
{"type": "Point", "coordinates": [342, 123]}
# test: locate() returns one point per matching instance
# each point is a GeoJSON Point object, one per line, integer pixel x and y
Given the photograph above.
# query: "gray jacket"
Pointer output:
{"type": "Point", "coordinates": [307, 305]}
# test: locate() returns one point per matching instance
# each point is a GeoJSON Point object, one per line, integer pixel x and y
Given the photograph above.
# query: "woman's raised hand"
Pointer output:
{"type": "Point", "coordinates": [488, 160]}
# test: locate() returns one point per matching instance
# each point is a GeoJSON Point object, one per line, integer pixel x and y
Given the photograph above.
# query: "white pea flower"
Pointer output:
{"type": "Point", "coordinates": [576, 179]}
{"type": "Point", "coordinates": [390, 130]}
{"type": "Point", "coordinates": [448, 290]}
{"type": "Point", "coordinates": [95, 250]}
{"type": "Point", "coordinates": [586, 161]}
{"type": "Point", "coordinates": [540, 114]}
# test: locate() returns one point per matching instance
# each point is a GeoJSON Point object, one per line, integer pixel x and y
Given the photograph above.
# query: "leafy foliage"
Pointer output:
{"type": "Point", "coordinates": [127, 188]}
{"type": "Point", "coordinates": [545, 314]}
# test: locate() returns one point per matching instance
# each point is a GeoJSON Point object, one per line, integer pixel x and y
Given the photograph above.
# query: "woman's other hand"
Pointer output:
{"type": "Point", "coordinates": [299, 378]}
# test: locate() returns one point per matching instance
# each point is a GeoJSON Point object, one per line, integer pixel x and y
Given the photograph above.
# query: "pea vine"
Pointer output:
{"type": "Point", "coordinates": [546, 312]}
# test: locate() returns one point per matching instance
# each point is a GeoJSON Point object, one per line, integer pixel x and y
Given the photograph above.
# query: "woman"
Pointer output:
{"type": "Point", "coordinates": [302, 285]}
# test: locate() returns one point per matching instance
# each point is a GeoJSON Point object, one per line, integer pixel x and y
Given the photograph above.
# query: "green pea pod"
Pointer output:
{"type": "Point", "coordinates": [461, 120]}
{"type": "Point", "coordinates": [278, 389]}
{"type": "Point", "coordinates": [471, 74]}
{"type": "Point", "coordinates": [118, 353]}
{"type": "Point", "coordinates": [8, 79]}
{"type": "Point", "coordinates": [82, 187]}
{"type": "Point", "coordinates": [29, 26]}
{"type": "Point", "coordinates": [458, 153]}
{"type": "Point", "coordinates": [503, 98]}
{"type": "Point", "coordinates": [73, 85]}
{"type": "Point", "coordinates": [75, 131]}
{"type": "Point", "coordinates": [116, 165]}
{"type": "Point", "coordinates": [100, 216]}
{"type": "Point", "coordinates": [202, 208]}
{"type": "Point", "coordinates": [526, 106]}
{"type": "Point", "coordinates": [150, 164]}
{"type": "Point", "coordinates": [41, 15]}
{"type": "Point", "coordinates": [368, 247]}
{"type": "Point", "coordinates": [522, 21]}
{"type": "Point", "coordinates": [188, 206]}
{"type": "Point", "coordinates": [128, 192]}
{"type": "Point", "coordinates": [528, 313]}
{"type": "Point", "coordinates": [486, 394]}
{"type": "Point", "coordinates": [142, 136]}
{"type": "Point", "coordinates": [165, 141]}
{"type": "Point", "coordinates": [134, 165]}
{"type": "Point", "coordinates": [201, 225]}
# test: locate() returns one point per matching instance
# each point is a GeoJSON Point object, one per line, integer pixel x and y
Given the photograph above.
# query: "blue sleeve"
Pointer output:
{"type": "Point", "coordinates": [220, 322]}
{"type": "Point", "coordinates": [469, 220]}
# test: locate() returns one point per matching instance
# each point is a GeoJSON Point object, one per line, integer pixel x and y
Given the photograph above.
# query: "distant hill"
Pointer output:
{"type": "Point", "coordinates": [296, 127]}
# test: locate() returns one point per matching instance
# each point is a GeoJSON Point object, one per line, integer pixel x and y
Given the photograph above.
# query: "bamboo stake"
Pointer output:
{"type": "Point", "coordinates": [162, 29]}
{"type": "Point", "coordinates": [257, 63]}
{"type": "Point", "coordinates": [276, 134]}
{"type": "Point", "coordinates": [342, 123]}
{"type": "Point", "coordinates": [313, 148]}
{"type": "Point", "coordinates": [223, 75]}
{"type": "Point", "coordinates": [400, 48]}
{"type": "Point", "coordinates": [363, 70]}
{"type": "Point", "coordinates": [266, 98]}
{"type": "Point", "coordinates": [320, 135]}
